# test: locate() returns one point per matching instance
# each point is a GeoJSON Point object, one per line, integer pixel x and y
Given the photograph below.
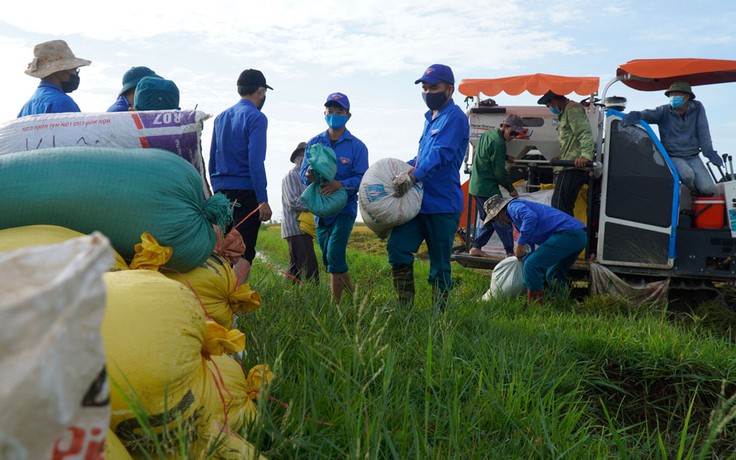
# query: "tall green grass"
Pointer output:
{"type": "Point", "coordinates": [369, 379]}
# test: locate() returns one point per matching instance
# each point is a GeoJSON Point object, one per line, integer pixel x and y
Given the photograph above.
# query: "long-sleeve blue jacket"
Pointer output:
{"type": "Point", "coordinates": [238, 150]}
{"type": "Point", "coordinates": [536, 222]}
{"type": "Point", "coordinates": [437, 164]}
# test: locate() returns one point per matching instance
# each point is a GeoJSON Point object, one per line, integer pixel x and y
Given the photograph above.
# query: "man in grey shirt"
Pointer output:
{"type": "Point", "coordinates": [302, 259]}
{"type": "Point", "coordinates": [684, 131]}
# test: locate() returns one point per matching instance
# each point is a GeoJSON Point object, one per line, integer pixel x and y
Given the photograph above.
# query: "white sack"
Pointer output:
{"type": "Point", "coordinates": [54, 397]}
{"type": "Point", "coordinates": [380, 209]}
{"type": "Point", "coordinates": [178, 131]}
{"type": "Point", "coordinates": [507, 279]}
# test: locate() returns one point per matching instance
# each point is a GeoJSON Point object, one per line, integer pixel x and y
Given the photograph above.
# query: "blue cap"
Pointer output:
{"type": "Point", "coordinates": [437, 73]}
{"type": "Point", "coordinates": [339, 98]}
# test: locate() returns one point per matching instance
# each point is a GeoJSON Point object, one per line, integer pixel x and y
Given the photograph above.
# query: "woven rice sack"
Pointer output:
{"type": "Point", "coordinates": [157, 343]}
{"type": "Point", "coordinates": [123, 193]}
{"type": "Point", "coordinates": [215, 284]}
{"type": "Point", "coordinates": [39, 235]}
{"type": "Point", "coordinates": [242, 407]}
{"type": "Point", "coordinates": [380, 208]}
{"type": "Point", "coordinates": [114, 449]}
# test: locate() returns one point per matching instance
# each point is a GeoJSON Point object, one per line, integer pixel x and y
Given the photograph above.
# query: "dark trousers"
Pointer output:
{"type": "Point", "coordinates": [302, 259]}
{"type": "Point", "coordinates": [246, 204]}
{"type": "Point", "coordinates": [484, 232]}
{"type": "Point", "coordinates": [567, 186]}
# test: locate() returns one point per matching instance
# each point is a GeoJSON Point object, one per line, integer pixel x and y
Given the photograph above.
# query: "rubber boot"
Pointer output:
{"type": "Point", "coordinates": [534, 296]}
{"type": "Point", "coordinates": [403, 277]}
{"type": "Point", "coordinates": [440, 298]}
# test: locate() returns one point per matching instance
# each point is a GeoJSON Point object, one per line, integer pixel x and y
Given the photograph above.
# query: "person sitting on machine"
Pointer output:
{"type": "Point", "coordinates": [684, 131]}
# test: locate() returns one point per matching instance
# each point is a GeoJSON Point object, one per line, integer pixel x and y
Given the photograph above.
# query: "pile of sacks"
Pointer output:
{"type": "Point", "coordinates": [163, 309]}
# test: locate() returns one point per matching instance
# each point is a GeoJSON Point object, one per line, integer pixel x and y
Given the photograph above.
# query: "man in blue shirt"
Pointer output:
{"type": "Point", "coordinates": [236, 164]}
{"type": "Point", "coordinates": [442, 148]}
{"type": "Point", "coordinates": [683, 128]}
{"type": "Point", "coordinates": [57, 67]}
{"type": "Point", "coordinates": [560, 239]}
{"type": "Point", "coordinates": [126, 96]}
{"type": "Point", "coordinates": [352, 162]}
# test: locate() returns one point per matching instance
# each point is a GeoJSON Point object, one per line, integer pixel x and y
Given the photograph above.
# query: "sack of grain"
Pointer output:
{"type": "Point", "coordinates": [40, 235]}
{"type": "Point", "coordinates": [157, 343]}
{"type": "Point", "coordinates": [380, 207]}
{"type": "Point", "coordinates": [53, 387]}
{"type": "Point", "coordinates": [178, 131]}
{"type": "Point", "coordinates": [122, 193]}
{"type": "Point", "coordinates": [215, 284]}
{"type": "Point", "coordinates": [242, 408]}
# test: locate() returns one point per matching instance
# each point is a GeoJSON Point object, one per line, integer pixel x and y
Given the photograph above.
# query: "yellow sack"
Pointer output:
{"type": "Point", "coordinates": [581, 205]}
{"type": "Point", "coordinates": [149, 255]}
{"type": "Point", "coordinates": [230, 446]}
{"type": "Point", "coordinates": [214, 282]}
{"type": "Point", "coordinates": [114, 449]}
{"type": "Point", "coordinates": [242, 407]}
{"type": "Point", "coordinates": [306, 223]}
{"type": "Point", "coordinates": [156, 343]}
{"type": "Point", "coordinates": [40, 235]}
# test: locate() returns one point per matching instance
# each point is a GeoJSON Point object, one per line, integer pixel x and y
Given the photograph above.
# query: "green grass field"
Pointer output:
{"type": "Point", "coordinates": [369, 379]}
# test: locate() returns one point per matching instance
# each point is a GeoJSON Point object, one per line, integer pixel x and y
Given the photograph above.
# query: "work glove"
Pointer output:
{"type": "Point", "coordinates": [714, 157]}
{"type": "Point", "coordinates": [402, 183]}
{"type": "Point", "coordinates": [631, 118]}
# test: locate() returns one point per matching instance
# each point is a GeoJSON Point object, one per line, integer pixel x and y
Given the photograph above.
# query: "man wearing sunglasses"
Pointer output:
{"type": "Point", "coordinates": [58, 68]}
{"type": "Point", "coordinates": [488, 173]}
{"type": "Point", "coordinates": [576, 144]}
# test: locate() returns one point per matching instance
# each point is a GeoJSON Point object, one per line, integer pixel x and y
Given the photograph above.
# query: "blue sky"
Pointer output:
{"type": "Point", "coordinates": [370, 50]}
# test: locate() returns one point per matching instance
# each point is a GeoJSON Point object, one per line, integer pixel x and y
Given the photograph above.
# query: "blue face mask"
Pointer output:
{"type": "Point", "coordinates": [336, 121]}
{"type": "Point", "coordinates": [554, 110]}
{"type": "Point", "coordinates": [434, 101]}
{"type": "Point", "coordinates": [676, 101]}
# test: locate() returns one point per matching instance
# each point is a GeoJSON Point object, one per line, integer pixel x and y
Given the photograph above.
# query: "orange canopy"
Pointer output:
{"type": "Point", "coordinates": [658, 74]}
{"type": "Point", "coordinates": [537, 84]}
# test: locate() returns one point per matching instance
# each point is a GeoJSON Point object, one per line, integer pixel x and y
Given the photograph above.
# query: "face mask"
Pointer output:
{"type": "Point", "coordinates": [554, 110]}
{"type": "Point", "coordinates": [70, 85]}
{"type": "Point", "coordinates": [677, 101]}
{"type": "Point", "coordinates": [263, 101]}
{"type": "Point", "coordinates": [434, 101]}
{"type": "Point", "coordinates": [336, 121]}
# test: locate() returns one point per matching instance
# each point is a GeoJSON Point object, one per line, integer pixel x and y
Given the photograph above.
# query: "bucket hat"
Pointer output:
{"type": "Point", "coordinates": [156, 93]}
{"type": "Point", "coordinates": [548, 96]}
{"type": "Point", "coordinates": [681, 87]}
{"type": "Point", "coordinates": [299, 149]}
{"type": "Point", "coordinates": [51, 57]}
{"type": "Point", "coordinates": [133, 76]}
{"type": "Point", "coordinates": [494, 205]}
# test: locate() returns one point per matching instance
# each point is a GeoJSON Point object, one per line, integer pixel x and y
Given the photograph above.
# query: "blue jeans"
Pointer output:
{"type": "Point", "coordinates": [438, 231]}
{"type": "Point", "coordinates": [484, 232]}
{"type": "Point", "coordinates": [694, 175]}
{"type": "Point", "coordinates": [552, 259]}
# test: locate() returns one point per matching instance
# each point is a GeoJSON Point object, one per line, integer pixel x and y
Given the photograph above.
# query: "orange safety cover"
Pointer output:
{"type": "Point", "coordinates": [659, 74]}
{"type": "Point", "coordinates": [537, 84]}
{"type": "Point", "coordinates": [464, 216]}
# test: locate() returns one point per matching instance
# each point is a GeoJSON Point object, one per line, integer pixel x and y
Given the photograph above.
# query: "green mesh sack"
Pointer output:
{"type": "Point", "coordinates": [323, 162]}
{"type": "Point", "coordinates": [324, 205]}
{"type": "Point", "coordinates": [122, 193]}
